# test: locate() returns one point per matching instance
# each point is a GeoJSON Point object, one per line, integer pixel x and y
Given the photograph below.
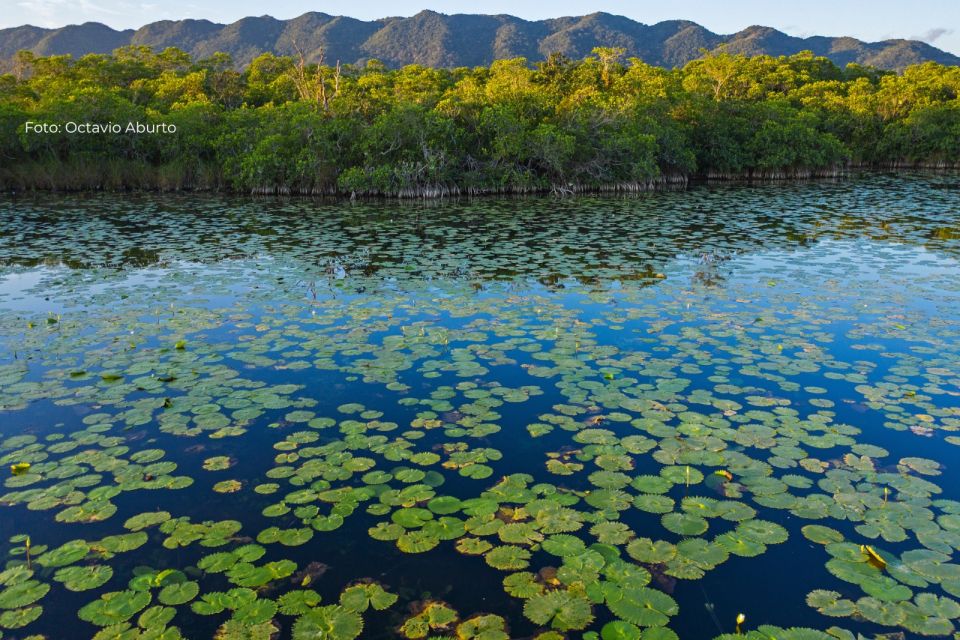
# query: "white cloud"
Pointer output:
{"type": "Point", "coordinates": [932, 35]}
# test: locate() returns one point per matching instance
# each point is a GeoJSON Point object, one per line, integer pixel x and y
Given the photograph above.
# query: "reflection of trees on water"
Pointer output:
{"type": "Point", "coordinates": [712, 268]}
{"type": "Point", "coordinates": [593, 241]}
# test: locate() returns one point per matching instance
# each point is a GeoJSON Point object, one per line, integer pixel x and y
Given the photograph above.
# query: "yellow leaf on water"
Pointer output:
{"type": "Point", "coordinates": [873, 557]}
{"type": "Point", "coordinates": [159, 578]}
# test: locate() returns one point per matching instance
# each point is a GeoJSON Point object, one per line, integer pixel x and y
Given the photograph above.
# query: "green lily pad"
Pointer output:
{"type": "Point", "coordinates": [257, 612]}
{"type": "Point", "coordinates": [684, 524]}
{"type": "Point", "coordinates": [651, 552]}
{"type": "Point", "coordinates": [174, 594]}
{"type": "Point", "coordinates": [22, 594]}
{"type": "Point", "coordinates": [508, 557]}
{"type": "Point", "coordinates": [359, 597]}
{"type": "Point", "coordinates": [84, 578]}
{"type": "Point", "coordinates": [331, 622]}
{"type": "Point", "coordinates": [821, 535]}
{"type": "Point", "coordinates": [884, 613]}
{"type": "Point", "coordinates": [18, 618]}
{"type": "Point", "coordinates": [294, 603]}
{"type": "Point", "coordinates": [114, 607]}
{"type": "Point", "coordinates": [620, 630]}
{"type": "Point", "coordinates": [417, 541]}
{"type": "Point", "coordinates": [483, 627]}
{"type": "Point", "coordinates": [563, 610]}
{"type": "Point", "coordinates": [643, 607]}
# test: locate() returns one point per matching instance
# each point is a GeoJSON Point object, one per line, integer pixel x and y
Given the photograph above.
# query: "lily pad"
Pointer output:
{"type": "Point", "coordinates": [563, 610]}
{"type": "Point", "coordinates": [331, 622]}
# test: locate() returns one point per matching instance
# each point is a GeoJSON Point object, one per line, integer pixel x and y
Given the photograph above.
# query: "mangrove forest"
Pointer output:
{"type": "Point", "coordinates": [146, 120]}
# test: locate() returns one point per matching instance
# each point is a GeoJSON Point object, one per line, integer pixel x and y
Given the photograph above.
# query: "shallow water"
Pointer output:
{"type": "Point", "coordinates": [713, 371]}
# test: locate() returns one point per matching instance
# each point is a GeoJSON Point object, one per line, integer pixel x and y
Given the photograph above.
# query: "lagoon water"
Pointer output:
{"type": "Point", "coordinates": [636, 417]}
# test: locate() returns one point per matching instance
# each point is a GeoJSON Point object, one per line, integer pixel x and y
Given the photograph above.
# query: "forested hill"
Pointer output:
{"type": "Point", "coordinates": [436, 40]}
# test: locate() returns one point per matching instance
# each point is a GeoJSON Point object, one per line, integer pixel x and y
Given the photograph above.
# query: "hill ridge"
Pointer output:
{"type": "Point", "coordinates": [436, 39]}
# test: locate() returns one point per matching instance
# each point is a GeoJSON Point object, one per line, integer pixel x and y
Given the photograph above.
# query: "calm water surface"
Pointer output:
{"type": "Point", "coordinates": [219, 416]}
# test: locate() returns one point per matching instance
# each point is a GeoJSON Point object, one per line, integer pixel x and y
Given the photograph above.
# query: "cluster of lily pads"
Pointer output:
{"type": "Point", "coordinates": [595, 414]}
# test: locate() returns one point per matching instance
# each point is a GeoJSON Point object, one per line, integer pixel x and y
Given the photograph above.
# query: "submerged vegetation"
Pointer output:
{"type": "Point", "coordinates": [312, 421]}
{"type": "Point", "coordinates": [284, 126]}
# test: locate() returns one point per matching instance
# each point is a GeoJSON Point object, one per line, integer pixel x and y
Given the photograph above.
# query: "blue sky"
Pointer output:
{"type": "Point", "coordinates": [935, 21]}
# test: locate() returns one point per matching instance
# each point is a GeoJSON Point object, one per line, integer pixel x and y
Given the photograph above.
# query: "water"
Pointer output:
{"type": "Point", "coordinates": [286, 368]}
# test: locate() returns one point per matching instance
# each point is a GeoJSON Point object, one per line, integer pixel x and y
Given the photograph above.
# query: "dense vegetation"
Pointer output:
{"type": "Point", "coordinates": [282, 125]}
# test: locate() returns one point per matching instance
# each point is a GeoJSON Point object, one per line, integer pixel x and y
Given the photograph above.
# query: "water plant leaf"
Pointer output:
{"type": "Point", "coordinates": [257, 612]}
{"type": "Point", "coordinates": [508, 557]}
{"type": "Point", "coordinates": [563, 545]}
{"type": "Point", "coordinates": [620, 630]}
{"type": "Point", "coordinates": [84, 578]}
{"type": "Point", "coordinates": [563, 610]}
{"type": "Point", "coordinates": [883, 613]}
{"type": "Point", "coordinates": [294, 603]}
{"type": "Point", "coordinates": [174, 594]}
{"type": "Point", "coordinates": [433, 616]}
{"type": "Point", "coordinates": [831, 603]}
{"type": "Point", "coordinates": [650, 551]}
{"type": "Point", "coordinates": [331, 622]}
{"type": "Point", "coordinates": [684, 524]}
{"type": "Point", "coordinates": [235, 630]}
{"type": "Point", "coordinates": [361, 596]}
{"type": "Point", "coordinates": [644, 607]}
{"type": "Point", "coordinates": [821, 534]}
{"type": "Point", "coordinates": [114, 607]}
{"type": "Point", "coordinates": [218, 463]}
{"type": "Point", "coordinates": [612, 532]}
{"type": "Point", "coordinates": [22, 593]}
{"type": "Point", "coordinates": [473, 546]}
{"type": "Point", "coordinates": [156, 617]}
{"type": "Point", "coordinates": [763, 531]}
{"type": "Point", "coordinates": [144, 520]}
{"type": "Point", "coordinates": [483, 627]}
{"type": "Point", "coordinates": [522, 584]}
{"type": "Point", "coordinates": [417, 541]}
{"type": "Point", "coordinates": [18, 618]}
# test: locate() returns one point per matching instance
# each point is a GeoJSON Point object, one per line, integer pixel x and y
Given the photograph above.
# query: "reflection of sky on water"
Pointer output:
{"type": "Point", "coordinates": [28, 290]}
{"type": "Point", "coordinates": [862, 264]}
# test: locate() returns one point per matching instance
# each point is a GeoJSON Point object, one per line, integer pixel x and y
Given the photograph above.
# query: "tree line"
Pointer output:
{"type": "Point", "coordinates": [283, 125]}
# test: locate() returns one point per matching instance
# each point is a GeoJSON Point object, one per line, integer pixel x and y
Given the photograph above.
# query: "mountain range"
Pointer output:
{"type": "Point", "coordinates": [437, 40]}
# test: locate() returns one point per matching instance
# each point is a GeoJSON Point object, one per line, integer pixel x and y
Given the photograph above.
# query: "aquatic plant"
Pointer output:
{"type": "Point", "coordinates": [588, 446]}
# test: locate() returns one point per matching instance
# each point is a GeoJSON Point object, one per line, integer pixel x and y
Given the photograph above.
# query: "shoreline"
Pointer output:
{"type": "Point", "coordinates": [671, 182]}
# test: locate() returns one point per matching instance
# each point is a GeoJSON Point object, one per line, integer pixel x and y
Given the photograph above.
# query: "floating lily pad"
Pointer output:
{"type": "Point", "coordinates": [821, 535]}
{"type": "Point", "coordinates": [685, 524]}
{"type": "Point", "coordinates": [181, 593]}
{"type": "Point", "coordinates": [508, 557]}
{"type": "Point", "coordinates": [18, 618]}
{"type": "Point", "coordinates": [84, 578]}
{"type": "Point", "coordinates": [114, 607]}
{"type": "Point", "coordinates": [643, 607]}
{"type": "Point", "coordinates": [332, 621]}
{"type": "Point", "coordinates": [562, 610]}
{"type": "Point", "coordinates": [417, 541]}
{"type": "Point", "coordinates": [620, 630]}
